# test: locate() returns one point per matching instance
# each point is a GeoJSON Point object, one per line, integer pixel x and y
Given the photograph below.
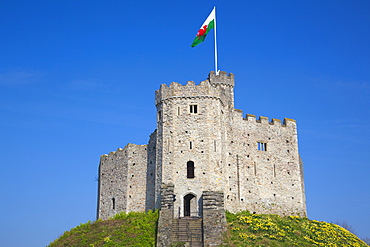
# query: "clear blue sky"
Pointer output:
{"type": "Point", "coordinates": [77, 80]}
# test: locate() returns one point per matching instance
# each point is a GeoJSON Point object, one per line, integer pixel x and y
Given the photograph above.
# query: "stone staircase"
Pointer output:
{"type": "Point", "coordinates": [188, 230]}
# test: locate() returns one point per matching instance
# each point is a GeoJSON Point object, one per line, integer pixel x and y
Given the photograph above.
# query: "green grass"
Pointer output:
{"type": "Point", "coordinates": [131, 229]}
{"type": "Point", "coordinates": [247, 229]}
{"type": "Point", "coordinates": [244, 229]}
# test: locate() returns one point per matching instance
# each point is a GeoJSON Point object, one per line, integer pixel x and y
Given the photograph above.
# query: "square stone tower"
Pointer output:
{"type": "Point", "coordinates": [203, 144]}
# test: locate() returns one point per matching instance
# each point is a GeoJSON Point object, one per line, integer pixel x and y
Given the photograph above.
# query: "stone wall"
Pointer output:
{"type": "Point", "coordinates": [112, 191]}
{"type": "Point", "coordinates": [214, 218]}
{"type": "Point", "coordinates": [268, 180]}
{"type": "Point", "coordinates": [166, 215]}
{"type": "Point", "coordinates": [126, 181]}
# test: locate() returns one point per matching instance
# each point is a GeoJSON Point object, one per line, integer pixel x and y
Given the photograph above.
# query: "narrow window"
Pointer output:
{"type": "Point", "coordinates": [159, 116]}
{"type": "Point", "coordinates": [190, 169]}
{"type": "Point", "coordinates": [113, 203]}
{"type": "Point", "coordinates": [178, 111]}
{"type": "Point", "coordinates": [274, 171]}
{"type": "Point", "coordinates": [194, 109]}
{"type": "Point", "coordinates": [191, 145]}
{"type": "Point", "coordinates": [262, 146]}
{"type": "Point", "coordinates": [214, 143]}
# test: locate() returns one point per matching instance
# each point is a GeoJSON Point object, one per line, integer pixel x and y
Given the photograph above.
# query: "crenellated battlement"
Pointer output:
{"type": "Point", "coordinates": [212, 87]}
{"type": "Point", "coordinates": [121, 150]}
{"type": "Point", "coordinates": [190, 89]}
{"type": "Point", "coordinates": [265, 120]}
{"type": "Point", "coordinates": [222, 78]}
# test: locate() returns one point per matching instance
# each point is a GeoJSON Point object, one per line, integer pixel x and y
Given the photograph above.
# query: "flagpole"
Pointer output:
{"type": "Point", "coordinates": [216, 70]}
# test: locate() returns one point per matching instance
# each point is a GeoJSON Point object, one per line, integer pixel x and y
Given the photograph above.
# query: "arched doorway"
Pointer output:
{"type": "Point", "coordinates": [190, 205]}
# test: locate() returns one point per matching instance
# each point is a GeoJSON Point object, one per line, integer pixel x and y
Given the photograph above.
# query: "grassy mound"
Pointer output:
{"type": "Point", "coordinates": [131, 229]}
{"type": "Point", "coordinates": [244, 229]}
{"type": "Point", "coordinates": [247, 229]}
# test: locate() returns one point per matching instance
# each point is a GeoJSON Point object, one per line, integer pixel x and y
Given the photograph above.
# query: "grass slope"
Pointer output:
{"type": "Point", "coordinates": [247, 229]}
{"type": "Point", "coordinates": [244, 229]}
{"type": "Point", "coordinates": [132, 229]}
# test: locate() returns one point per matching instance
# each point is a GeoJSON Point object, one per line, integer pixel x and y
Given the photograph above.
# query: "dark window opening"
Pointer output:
{"type": "Point", "coordinates": [113, 203]}
{"type": "Point", "coordinates": [159, 116]}
{"type": "Point", "coordinates": [194, 109]}
{"type": "Point", "coordinates": [190, 169]}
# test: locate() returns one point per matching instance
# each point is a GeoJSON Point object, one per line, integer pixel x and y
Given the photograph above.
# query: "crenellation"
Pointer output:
{"type": "Point", "coordinates": [263, 120]}
{"type": "Point", "coordinates": [289, 121]}
{"type": "Point", "coordinates": [203, 144]}
{"type": "Point", "coordinates": [222, 78]}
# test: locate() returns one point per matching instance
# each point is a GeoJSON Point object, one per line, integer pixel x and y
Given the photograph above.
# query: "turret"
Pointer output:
{"type": "Point", "coordinates": [226, 83]}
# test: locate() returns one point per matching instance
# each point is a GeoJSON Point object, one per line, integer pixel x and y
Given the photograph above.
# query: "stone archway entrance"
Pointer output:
{"type": "Point", "coordinates": [190, 205]}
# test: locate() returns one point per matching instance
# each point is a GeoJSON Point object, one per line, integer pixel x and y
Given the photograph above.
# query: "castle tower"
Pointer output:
{"type": "Point", "coordinates": [190, 133]}
{"type": "Point", "coordinates": [204, 148]}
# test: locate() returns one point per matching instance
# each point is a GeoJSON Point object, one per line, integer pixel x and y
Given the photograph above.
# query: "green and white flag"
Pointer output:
{"type": "Point", "coordinates": [205, 28]}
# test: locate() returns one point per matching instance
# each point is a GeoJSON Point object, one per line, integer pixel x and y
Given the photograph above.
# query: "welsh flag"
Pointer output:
{"type": "Point", "coordinates": [205, 28]}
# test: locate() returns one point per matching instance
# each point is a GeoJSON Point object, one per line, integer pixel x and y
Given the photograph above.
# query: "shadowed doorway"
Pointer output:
{"type": "Point", "coordinates": [190, 205]}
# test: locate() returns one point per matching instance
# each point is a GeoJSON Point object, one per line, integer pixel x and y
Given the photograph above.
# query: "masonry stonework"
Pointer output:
{"type": "Point", "coordinates": [202, 143]}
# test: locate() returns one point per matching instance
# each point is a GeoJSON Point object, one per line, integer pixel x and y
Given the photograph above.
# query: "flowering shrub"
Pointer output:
{"type": "Point", "coordinates": [272, 230]}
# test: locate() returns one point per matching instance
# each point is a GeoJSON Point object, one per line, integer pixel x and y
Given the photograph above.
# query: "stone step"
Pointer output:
{"type": "Point", "coordinates": [188, 230]}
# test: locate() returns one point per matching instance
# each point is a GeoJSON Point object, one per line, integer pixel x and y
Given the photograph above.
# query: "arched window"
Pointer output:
{"type": "Point", "coordinates": [190, 169]}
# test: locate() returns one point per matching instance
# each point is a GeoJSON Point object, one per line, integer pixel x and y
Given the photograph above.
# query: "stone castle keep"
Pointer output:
{"type": "Point", "coordinates": [205, 155]}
